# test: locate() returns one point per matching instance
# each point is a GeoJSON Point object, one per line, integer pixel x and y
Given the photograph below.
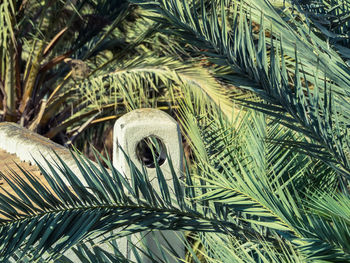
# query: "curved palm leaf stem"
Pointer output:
{"type": "Point", "coordinates": [170, 219]}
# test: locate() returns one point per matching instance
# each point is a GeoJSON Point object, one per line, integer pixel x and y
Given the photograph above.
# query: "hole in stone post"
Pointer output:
{"type": "Point", "coordinates": [144, 151]}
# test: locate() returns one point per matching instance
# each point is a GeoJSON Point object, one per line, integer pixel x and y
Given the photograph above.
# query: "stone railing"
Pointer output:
{"type": "Point", "coordinates": [134, 133]}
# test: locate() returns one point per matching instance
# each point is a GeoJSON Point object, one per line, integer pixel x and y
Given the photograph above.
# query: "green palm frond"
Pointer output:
{"type": "Point", "coordinates": [45, 222]}
{"type": "Point", "coordinates": [156, 73]}
{"type": "Point", "coordinates": [233, 190]}
{"type": "Point", "coordinates": [90, 252]}
{"type": "Point", "coordinates": [330, 19]}
{"type": "Point", "coordinates": [254, 188]}
{"type": "Point", "coordinates": [94, 252]}
{"type": "Point", "coordinates": [141, 82]}
{"type": "Point", "coordinates": [221, 248]}
{"type": "Point", "coordinates": [264, 184]}
{"type": "Point", "coordinates": [270, 63]}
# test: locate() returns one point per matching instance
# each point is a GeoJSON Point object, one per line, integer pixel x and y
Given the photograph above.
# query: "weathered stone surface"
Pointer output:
{"type": "Point", "coordinates": [29, 147]}
{"type": "Point", "coordinates": [20, 146]}
{"type": "Point", "coordinates": [129, 130]}
{"type": "Point", "coordinates": [136, 125]}
{"type": "Point", "coordinates": [9, 166]}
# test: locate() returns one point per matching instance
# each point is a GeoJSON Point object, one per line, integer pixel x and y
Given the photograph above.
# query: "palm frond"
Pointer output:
{"type": "Point", "coordinates": [263, 185]}
{"type": "Point", "coordinates": [45, 221]}
{"type": "Point", "coordinates": [140, 82]}
{"type": "Point", "coordinates": [272, 66]}
{"type": "Point", "coordinates": [331, 19]}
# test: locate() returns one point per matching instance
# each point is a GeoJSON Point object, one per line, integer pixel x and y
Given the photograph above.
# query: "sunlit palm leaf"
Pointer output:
{"type": "Point", "coordinates": [316, 108]}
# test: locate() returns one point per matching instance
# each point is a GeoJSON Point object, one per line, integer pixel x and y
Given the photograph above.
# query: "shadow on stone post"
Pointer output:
{"type": "Point", "coordinates": [136, 132]}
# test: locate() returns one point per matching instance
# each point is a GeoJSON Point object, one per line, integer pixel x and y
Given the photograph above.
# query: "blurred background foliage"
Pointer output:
{"type": "Point", "coordinates": [70, 68]}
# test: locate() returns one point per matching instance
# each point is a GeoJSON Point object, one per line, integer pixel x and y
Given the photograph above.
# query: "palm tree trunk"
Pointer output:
{"type": "Point", "coordinates": [10, 84]}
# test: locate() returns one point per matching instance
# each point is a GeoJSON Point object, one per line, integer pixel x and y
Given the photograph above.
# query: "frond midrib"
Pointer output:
{"type": "Point", "coordinates": [109, 206]}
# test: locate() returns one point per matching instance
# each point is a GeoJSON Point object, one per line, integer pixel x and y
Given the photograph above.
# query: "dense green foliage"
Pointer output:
{"type": "Point", "coordinates": [261, 90]}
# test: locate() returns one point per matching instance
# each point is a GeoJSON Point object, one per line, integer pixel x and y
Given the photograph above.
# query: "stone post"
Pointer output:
{"type": "Point", "coordinates": [132, 133]}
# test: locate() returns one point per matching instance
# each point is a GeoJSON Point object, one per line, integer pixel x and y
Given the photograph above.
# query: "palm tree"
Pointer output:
{"type": "Point", "coordinates": [268, 184]}
{"type": "Point", "coordinates": [37, 38]}
{"type": "Point", "coordinates": [67, 66]}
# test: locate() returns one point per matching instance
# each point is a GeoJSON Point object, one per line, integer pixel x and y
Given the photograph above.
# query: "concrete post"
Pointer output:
{"type": "Point", "coordinates": [130, 133]}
